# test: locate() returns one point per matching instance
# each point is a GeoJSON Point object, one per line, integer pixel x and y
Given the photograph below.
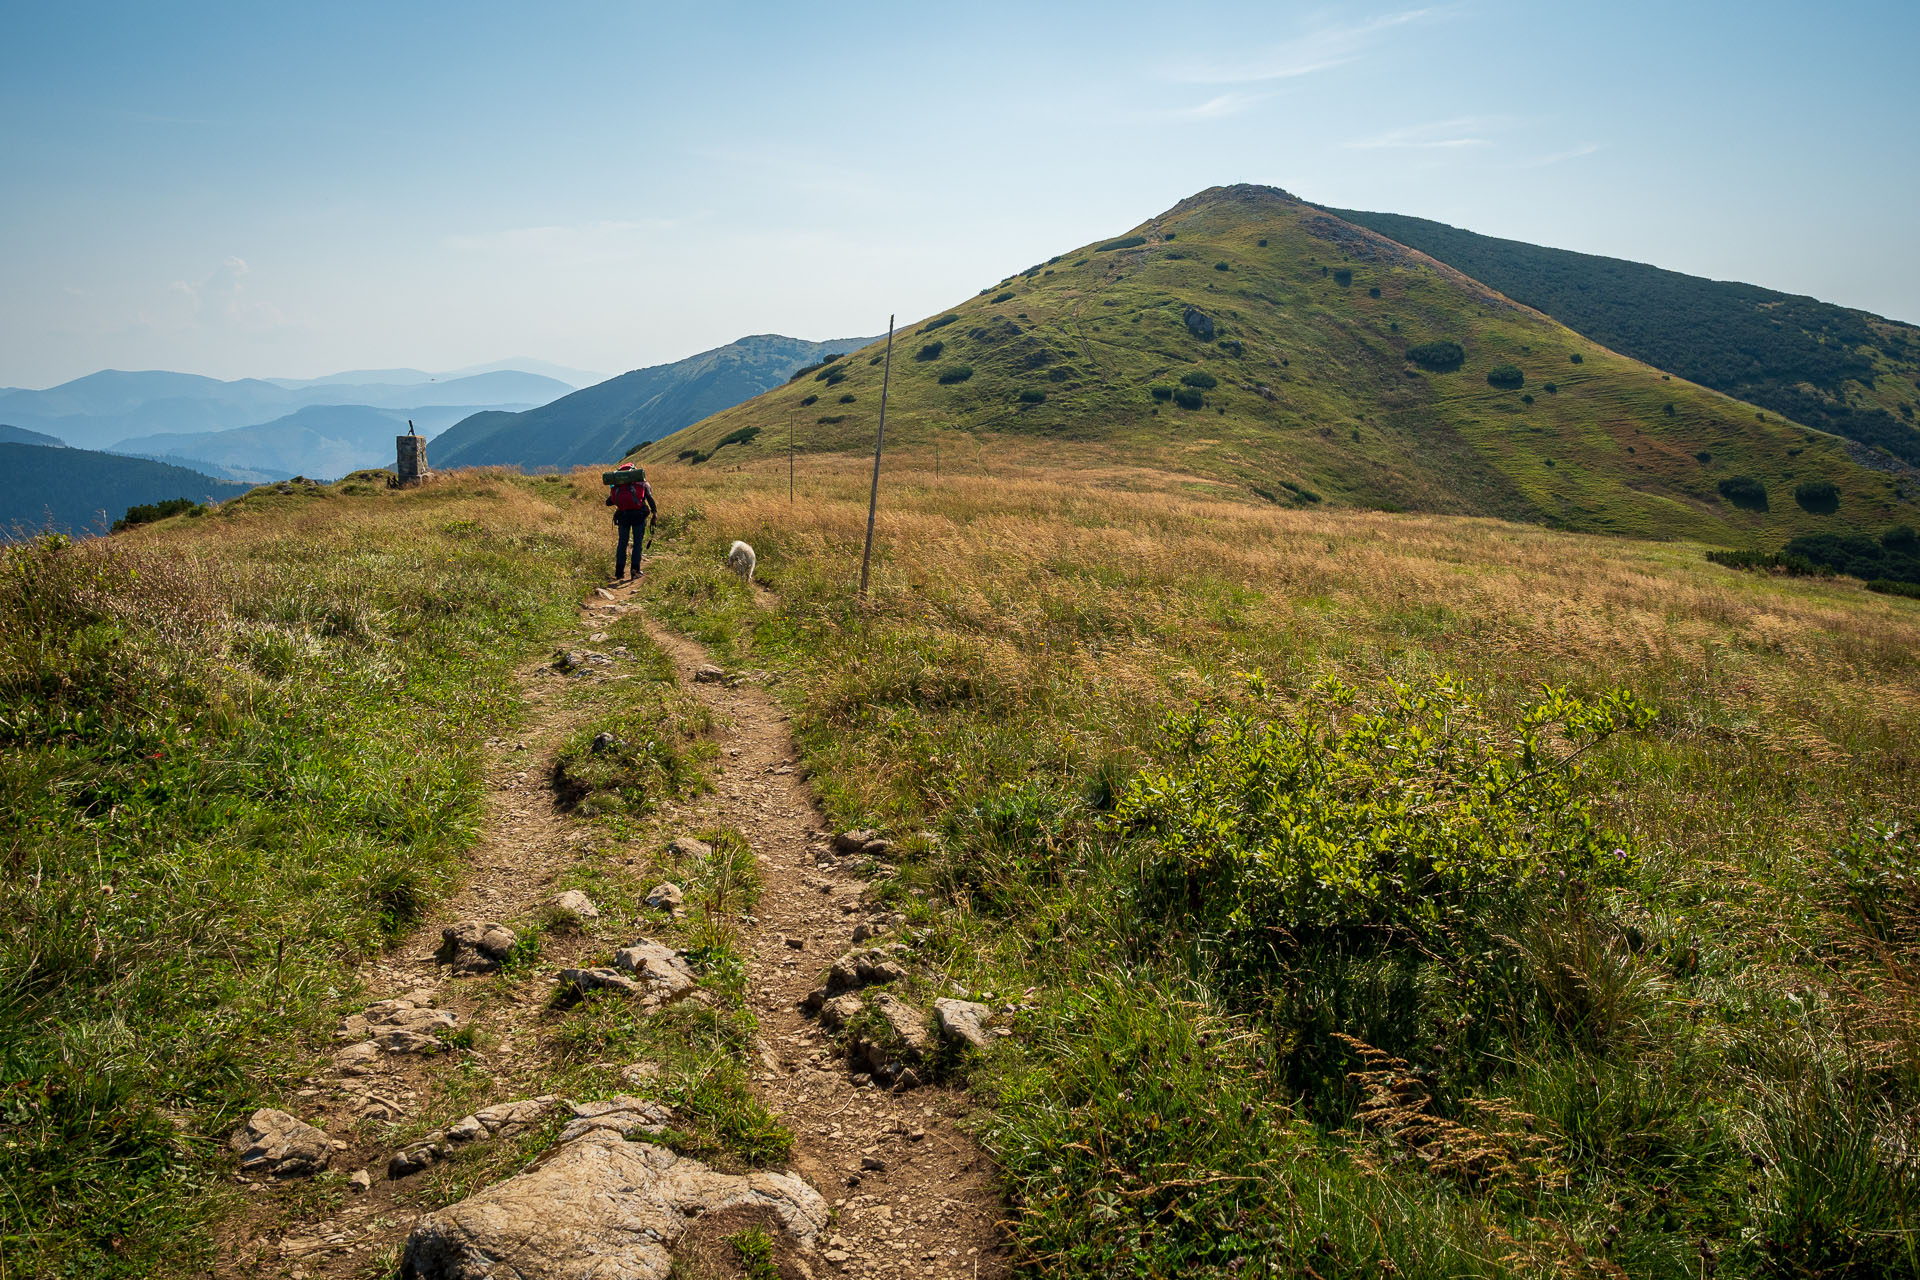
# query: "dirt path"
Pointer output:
{"type": "Point", "coordinates": [929, 1208]}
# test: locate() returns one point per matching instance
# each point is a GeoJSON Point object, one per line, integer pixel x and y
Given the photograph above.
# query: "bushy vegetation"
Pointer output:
{"type": "Point", "coordinates": [1032, 396]}
{"type": "Point", "coordinates": [1856, 556]}
{"type": "Point", "coordinates": [149, 512]}
{"type": "Point", "coordinates": [930, 350]}
{"type": "Point", "coordinates": [1744, 491]}
{"type": "Point", "coordinates": [1189, 397]}
{"type": "Point", "coordinates": [1003, 297]}
{"type": "Point", "coordinates": [1343, 276]}
{"type": "Point", "coordinates": [1443, 356]}
{"type": "Point", "coordinates": [940, 323]}
{"type": "Point", "coordinates": [1818, 496]}
{"type": "Point", "coordinates": [1125, 242]}
{"type": "Point", "coordinates": [955, 373]}
{"type": "Point", "coordinates": [1199, 378]}
{"type": "Point", "coordinates": [1508, 377]}
{"type": "Point", "coordinates": [1160, 391]}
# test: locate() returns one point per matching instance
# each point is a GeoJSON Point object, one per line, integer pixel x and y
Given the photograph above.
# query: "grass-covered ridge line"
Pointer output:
{"type": "Point", "coordinates": [1342, 364]}
{"type": "Point", "coordinates": [240, 754]}
{"type": "Point", "coordinates": [1662, 1020]}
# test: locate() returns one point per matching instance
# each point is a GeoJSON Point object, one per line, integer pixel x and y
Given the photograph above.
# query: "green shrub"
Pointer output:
{"type": "Point", "coordinates": [148, 512]}
{"type": "Point", "coordinates": [1374, 292]}
{"type": "Point", "coordinates": [955, 373]}
{"type": "Point", "coordinates": [1901, 538]}
{"type": "Point", "coordinates": [1527, 399]}
{"type": "Point", "coordinates": [832, 377]}
{"type": "Point", "coordinates": [740, 435]}
{"type": "Point", "coordinates": [1415, 824]}
{"type": "Point", "coordinates": [1577, 358]}
{"type": "Point", "coordinates": [1222, 266]}
{"type": "Point", "coordinates": [1033, 397]}
{"type": "Point", "coordinates": [1262, 242]}
{"type": "Point", "coordinates": [1443, 356]}
{"type": "Point", "coordinates": [1003, 297]}
{"type": "Point", "coordinates": [1188, 398]}
{"type": "Point", "coordinates": [941, 323]}
{"type": "Point", "coordinates": [1888, 587]}
{"type": "Point", "coordinates": [831, 419]}
{"type": "Point", "coordinates": [1552, 388]}
{"type": "Point", "coordinates": [1506, 376]}
{"type": "Point", "coordinates": [931, 351]}
{"type": "Point", "coordinates": [808, 400]}
{"type": "Point", "coordinates": [847, 398]}
{"type": "Point", "coordinates": [1744, 491]}
{"type": "Point", "coordinates": [1160, 392]}
{"type": "Point", "coordinates": [1817, 496]}
{"type": "Point", "coordinates": [1125, 242]}
{"type": "Point", "coordinates": [1795, 566]}
{"type": "Point", "coordinates": [1343, 276]}
{"type": "Point", "coordinates": [1232, 346]}
{"type": "Point", "coordinates": [1199, 378]}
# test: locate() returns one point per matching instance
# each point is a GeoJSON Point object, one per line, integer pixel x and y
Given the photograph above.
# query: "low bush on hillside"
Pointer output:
{"type": "Point", "coordinates": [694, 457]}
{"type": "Point", "coordinates": [831, 376]}
{"type": "Point", "coordinates": [807, 400]}
{"type": "Point", "coordinates": [1343, 276]}
{"type": "Point", "coordinates": [930, 351]}
{"type": "Point", "coordinates": [1577, 358]}
{"type": "Point", "coordinates": [941, 323]}
{"type": "Point", "coordinates": [1223, 266]}
{"type": "Point", "coordinates": [149, 512]}
{"type": "Point", "coordinates": [1818, 496]}
{"type": "Point", "coordinates": [1902, 539]}
{"type": "Point", "coordinates": [739, 435]}
{"type": "Point", "coordinates": [1160, 392]}
{"type": "Point", "coordinates": [828, 420]}
{"type": "Point", "coordinates": [1888, 587]}
{"type": "Point", "coordinates": [1443, 356]}
{"type": "Point", "coordinates": [1189, 398]}
{"type": "Point", "coordinates": [848, 398]}
{"type": "Point", "coordinates": [1745, 492]}
{"type": "Point", "coordinates": [1856, 556]}
{"type": "Point", "coordinates": [1232, 346]}
{"type": "Point", "coordinates": [1199, 378]}
{"type": "Point", "coordinates": [1374, 292]}
{"type": "Point", "coordinates": [1125, 242]}
{"type": "Point", "coordinates": [1551, 388]}
{"type": "Point", "coordinates": [1031, 396]}
{"type": "Point", "coordinates": [1003, 297]}
{"type": "Point", "coordinates": [1795, 566]}
{"type": "Point", "coordinates": [955, 373]}
{"type": "Point", "coordinates": [1506, 376]}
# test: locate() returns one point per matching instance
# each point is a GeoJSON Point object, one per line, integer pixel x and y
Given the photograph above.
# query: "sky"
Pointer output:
{"type": "Point", "coordinates": [265, 190]}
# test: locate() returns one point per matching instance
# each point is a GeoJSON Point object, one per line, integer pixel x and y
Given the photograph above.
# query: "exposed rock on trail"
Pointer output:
{"type": "Point", "coordinates": [602, 1208]}
{"type": "Point", "coordinates": [275, 1143]}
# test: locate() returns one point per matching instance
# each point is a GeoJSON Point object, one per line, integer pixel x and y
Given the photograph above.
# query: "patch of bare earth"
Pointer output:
{"type": "Point", "coordinates": [913, 1194]}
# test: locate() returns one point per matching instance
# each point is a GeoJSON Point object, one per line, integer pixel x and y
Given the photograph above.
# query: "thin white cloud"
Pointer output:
{"type": "Point", "coordinates": [1218, 107]}
{"type": "Point", "coordinates": [584, 239]}
{"type": "Point", "coordinates": [1318, 49]}
{"type": "Point", "coordinates": [1435, 135]}
{"type": "Point", "coordinates": [1541, 162]}
{"type": "Point", "coordinates": [221, 300]}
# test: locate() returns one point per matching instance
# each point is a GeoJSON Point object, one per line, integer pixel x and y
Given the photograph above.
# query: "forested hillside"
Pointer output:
{"type": "Point", "coordinates": [1848, 372]}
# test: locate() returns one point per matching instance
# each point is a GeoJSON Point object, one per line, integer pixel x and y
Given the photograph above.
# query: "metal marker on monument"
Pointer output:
{"type": "Point", "coordinates": [410, 460]}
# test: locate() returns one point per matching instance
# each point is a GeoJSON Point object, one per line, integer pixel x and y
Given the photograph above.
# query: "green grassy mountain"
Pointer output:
{"type": "Point", "coordinates": [604, 421]}
{"type": "Point", "coordinates": [80, 491]}
{"type": "Point", "coordinates": [1849, 372]}
{"type": "Point", "coordinates": [1249, 337]}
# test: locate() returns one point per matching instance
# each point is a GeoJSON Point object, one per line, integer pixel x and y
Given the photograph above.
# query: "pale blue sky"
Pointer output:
{"type": "Point", "coordinates": [273, 190]}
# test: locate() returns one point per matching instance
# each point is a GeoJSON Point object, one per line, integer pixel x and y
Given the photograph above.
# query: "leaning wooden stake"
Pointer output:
{"type": "Point", "coordinates": [789, 457]}
{"type": "Point", "coordinates": [879, 438]}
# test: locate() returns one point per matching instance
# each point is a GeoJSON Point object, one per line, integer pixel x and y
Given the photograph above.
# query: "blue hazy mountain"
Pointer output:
{"type": "Point", "coordinates": [20, 435]}
{"type": "Point", "coordinates": [602, 423]}
{"type": "Point", "coordinates": [105, 408]}
{"type": "Point", "coordinates": [322, 442]}
{"type": "Point", "coordinates": [79, 491]}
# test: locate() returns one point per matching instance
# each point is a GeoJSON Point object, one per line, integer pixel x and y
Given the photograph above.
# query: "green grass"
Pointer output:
{"type": "Point", "coordinates": [240, 754]}
{"type": "Point", "coordinates": [1315, 388]}
{"type": "Point", "coordinates": [1248, 1035]}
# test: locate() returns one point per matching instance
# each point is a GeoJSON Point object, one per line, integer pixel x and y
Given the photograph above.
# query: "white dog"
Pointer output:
{"type": "Point", "coordinates": [740, 559]}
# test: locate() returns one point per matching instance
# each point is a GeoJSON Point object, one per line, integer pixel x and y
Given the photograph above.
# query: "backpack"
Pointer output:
{"type": "Point", "coordinates": [631, 496]}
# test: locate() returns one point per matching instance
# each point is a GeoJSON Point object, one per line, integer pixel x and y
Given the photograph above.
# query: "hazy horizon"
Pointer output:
{"type": "Point", "coordinates": [237, 192]}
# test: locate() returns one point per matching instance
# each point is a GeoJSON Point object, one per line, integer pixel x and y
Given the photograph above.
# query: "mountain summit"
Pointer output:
{"type": "Point", "coordinates": [1248, 336]}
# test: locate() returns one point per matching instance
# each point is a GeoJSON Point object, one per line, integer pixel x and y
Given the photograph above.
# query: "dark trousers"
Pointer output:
{"type": "Point", "coordinates": [631, 524]}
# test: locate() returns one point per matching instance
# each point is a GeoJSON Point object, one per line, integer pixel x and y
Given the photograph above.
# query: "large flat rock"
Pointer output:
{"type": "Point", "coordinates": [599, 1208]}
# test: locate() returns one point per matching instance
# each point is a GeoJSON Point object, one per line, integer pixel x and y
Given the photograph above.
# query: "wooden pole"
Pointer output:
{"type": "Point", "coordinates": [879, 439]}
{"type": "Point", "coordinates": [789, 457]}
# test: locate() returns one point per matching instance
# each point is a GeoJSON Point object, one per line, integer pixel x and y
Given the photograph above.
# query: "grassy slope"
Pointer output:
{"type": "Point", "coordinates": [1705, 1054]}
{"type": "Point", "coordinates": [1848, 372]}
{"type": "Point", "coordinates": [1319, 397]}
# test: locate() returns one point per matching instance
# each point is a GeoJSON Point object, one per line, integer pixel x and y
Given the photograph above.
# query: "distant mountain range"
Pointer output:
{"type": "Point", "coordinates": [1845, 371]}
{"type": "Point", "coordinates": [1259, 342]}
{"type": "Point", "coordinates": [20, 435]}
{"type": "Point", "coordinates": [79, 491]}
{"type": "Point", "coordinates": [604, 422]}
{"type": "Point", "coordinates": [179, 415]}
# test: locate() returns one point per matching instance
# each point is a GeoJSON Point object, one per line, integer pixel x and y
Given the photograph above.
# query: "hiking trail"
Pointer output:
{"type": "Point", "coordinates": [912, 1193]}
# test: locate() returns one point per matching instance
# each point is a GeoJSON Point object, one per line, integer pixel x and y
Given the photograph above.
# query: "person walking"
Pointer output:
{"type": "Point", "coordinates": [633, 505]}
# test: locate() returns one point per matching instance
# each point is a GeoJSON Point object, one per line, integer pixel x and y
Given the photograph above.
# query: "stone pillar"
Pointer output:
{"type": "Point", "coordinates": [410, 463]}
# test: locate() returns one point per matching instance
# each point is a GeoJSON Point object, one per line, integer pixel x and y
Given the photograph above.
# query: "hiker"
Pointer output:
{"type": "Point", "coordinates": [633, 505]}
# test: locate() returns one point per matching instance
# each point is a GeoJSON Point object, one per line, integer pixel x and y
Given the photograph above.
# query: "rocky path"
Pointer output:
{"type": "Point", "coordinates": [903, 1191]}
{"type": "Point", "coordinates": [914, 1193]}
